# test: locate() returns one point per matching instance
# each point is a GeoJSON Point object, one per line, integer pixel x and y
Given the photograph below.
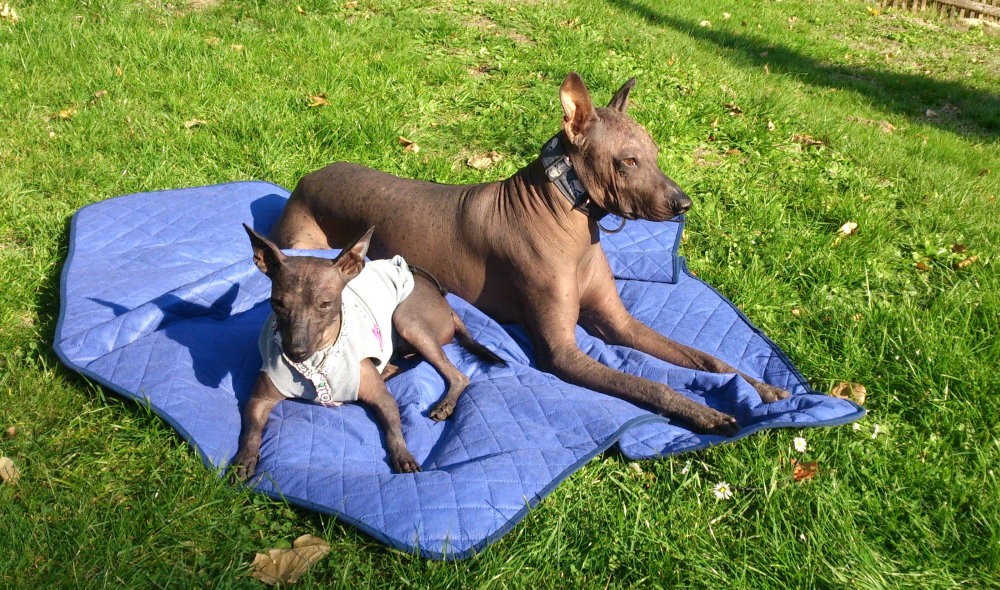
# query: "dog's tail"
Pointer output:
{"type": "Point", "coordinates": [469, 343]}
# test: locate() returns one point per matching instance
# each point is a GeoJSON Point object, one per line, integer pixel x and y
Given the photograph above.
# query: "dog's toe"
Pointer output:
{"type": "Point", "coordinates": [770, 393]}
{"type": "Point", "coordinates": [442, 411]}
{"type": "Point", "coordinates": [405, 463]}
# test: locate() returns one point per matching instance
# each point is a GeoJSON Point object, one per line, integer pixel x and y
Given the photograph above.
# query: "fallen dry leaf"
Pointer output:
{"type": "Point", "coordinates": [796, 312]}
{"type": "Point", "coordinates": [930, 114]}
{"type": "Point", "coordinates": [767, 69]}
{"type": "Point", "coordinates": [770, 126]}
{"type": "Point", "coordinates": [848, 229]}
{"type": "Point", "coordinates": [11, 432]}
{"type": "Point", "coordinates": [8, 472]}
{"type": "Point", "coordinates": [194, 123]}
{"type": "Point", "coordinates": [806, 141]}
{"type": "Point", "coordinates": [802, 470]}
{"type": "Point", "coordinates": [959, 248]}
{"type": "Point", "coordinates": [964, 263]}
{"type": "Point", "coordinates": [236, 47]}
{"type": "Point", "coordinates": [299, 9]}
{"type": "Point", "coordinates": [286, 566]}
{"type": "Point", "coordinates": [922, 264]}
{"type": "Point", "coordinates": [482, 161]}
{"type": "Point", "coordinates": [212, 41]}
{"type": "Point", "coordinates": [8, 13]}
{"type": "Point", "coordinates": [726, 15]}
{"type": "Point", "coordinates": [705, 23]}
{"type": "Point", "coordinates": [317, 100]}
{"type": "Point", "coordinates": [100, 94]}
{"type": "Point", "coordinates": [65, 114]}
{"type": "Point", "coordinates": [408, 144]}
{"type": "Point", "coordinates": [855, 392]}
{"type": "Point", "coordinates": [734, 110]}
{"type": "Point", "coordinates": [351, 4]}
{"type": "Point", "coordinates": [887, 126]}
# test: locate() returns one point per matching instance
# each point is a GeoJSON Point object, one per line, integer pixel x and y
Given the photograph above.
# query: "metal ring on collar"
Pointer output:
{"type": "Point", "coordinates": [612, 231]}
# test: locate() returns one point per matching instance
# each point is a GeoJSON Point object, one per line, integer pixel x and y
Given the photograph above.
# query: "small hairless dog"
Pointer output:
{"type": "Point", "coordinates": [331, 334]}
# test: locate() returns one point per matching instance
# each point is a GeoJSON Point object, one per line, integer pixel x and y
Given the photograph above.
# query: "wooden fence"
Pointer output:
{"type": "Point", "coordinates": [986, 9]}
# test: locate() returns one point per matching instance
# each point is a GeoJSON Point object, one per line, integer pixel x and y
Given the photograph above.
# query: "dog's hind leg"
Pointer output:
{"type": "Point", "coordinates": [426, 322]}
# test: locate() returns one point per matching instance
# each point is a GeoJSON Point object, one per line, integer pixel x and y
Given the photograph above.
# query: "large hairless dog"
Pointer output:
{"type": "Point", "coordinates": [527, 249]}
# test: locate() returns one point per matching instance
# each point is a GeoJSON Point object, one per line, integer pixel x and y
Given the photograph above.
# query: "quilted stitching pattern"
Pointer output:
{"type": "Point", "coordinates": [161, 302]}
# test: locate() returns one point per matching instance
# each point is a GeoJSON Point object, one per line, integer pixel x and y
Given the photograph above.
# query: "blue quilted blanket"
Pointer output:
{"type": "Point", "coordinates": [161, 302]}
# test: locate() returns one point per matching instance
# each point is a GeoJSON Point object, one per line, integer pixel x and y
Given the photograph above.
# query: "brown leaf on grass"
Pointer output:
{"type": "Point", "coordinates": [796, 312]}
{"type": "Point", "coordinates": [930, 114]}
{"type": "Point", "coordinates": [770, 126]}
{"type": "Point", "coordinates": [286, 566]}
{"type": "Point", "coordinates": [802, 470]}
{"type": "Point", "coordinates": [959, 248]}
{"type": "Point", "coordinates": [848, 229]}
{"type": "Point", "coordinates": [212, 41]}
{"type": "Point", "coordinates": [964, 263]}
{"type": "Point", "coordinates": [408, 144]}
{"type": "Point", "coordinates": [923, 264]}
{"type": "Point", "coordinates": [887, 126]}
{"type": "Point", "coordinates": [855, 392]}
{"type": "Point", "coordinates": [806, 141]}
{"type": "Point", "coordinates": [317, 100]}
{"type": "Point", "coordinates": [8, 13]}
{"type": "Point", "coordinates": [9, 474]}
{"type": "Point", "coordinates": [11, 432]}
{"type": "Point", "coordinates": [65, 114]}
{"type": "Point", "coordinates": [705, 23]}
{"type": "Point", "coordinates": [236, 47]}
{"type": "Point", "coordinates": [351, 4]}
{"type": "Point", "coordinates": [299, 9]}
{"type": "Point", "coordinates": [194, 123]}
{"type": "Point", "coordinates": [482, 161]}
{"type": "Point", "coordinates": [734, 110]}
{"type": "Point", "coordinates": [100, 94]}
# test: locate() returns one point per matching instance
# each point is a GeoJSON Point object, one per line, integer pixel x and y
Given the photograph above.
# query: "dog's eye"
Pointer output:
{"type": "Point", "coordinates": [325, 305]}
{"type": "Point", "coordinates": [630, 162]}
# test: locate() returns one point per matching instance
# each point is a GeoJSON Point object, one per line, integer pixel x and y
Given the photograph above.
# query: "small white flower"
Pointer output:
{"type": "Point", "coordinates": [855, 426]}
{"type": "Point", "coordinates": [722, 491]}
{"type": "Point", "coordinates": [687, 467]}
{"type": "Point", "coordinates": [875, 431]}
{"type": "Point", "coordinates": [800, 444]}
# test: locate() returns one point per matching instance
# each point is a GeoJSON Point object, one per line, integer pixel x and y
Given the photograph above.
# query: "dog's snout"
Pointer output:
{"type": "Point", "coordinates": [682, 203]}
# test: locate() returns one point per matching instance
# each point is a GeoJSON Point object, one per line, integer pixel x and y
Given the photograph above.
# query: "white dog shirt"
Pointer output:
{"type": "Point", "coordinates": [332, 376]}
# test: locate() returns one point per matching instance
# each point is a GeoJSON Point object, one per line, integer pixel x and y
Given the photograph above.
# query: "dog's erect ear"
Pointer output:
{"type": "Point", "coordinates": [620, 100]}
{"type": "Point", "coordinates": [351, 259]}
{"type": "Point", "coordinates": [578, 109]}
{"type": "Point", "coordinates": [267, 256]}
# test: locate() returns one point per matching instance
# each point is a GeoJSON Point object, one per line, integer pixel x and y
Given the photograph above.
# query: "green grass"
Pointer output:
{"type": "Point", "coordinates": [110, 497]}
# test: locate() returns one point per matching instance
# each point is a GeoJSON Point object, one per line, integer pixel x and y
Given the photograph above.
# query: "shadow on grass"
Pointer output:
{"type": "Point", "coordinates": [906, 94]}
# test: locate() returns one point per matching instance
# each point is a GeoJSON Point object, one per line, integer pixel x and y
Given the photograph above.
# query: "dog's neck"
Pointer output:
{"type": "Point", "coordinates": [559, 171]}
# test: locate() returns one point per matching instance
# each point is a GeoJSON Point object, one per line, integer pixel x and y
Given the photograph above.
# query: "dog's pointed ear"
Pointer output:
{"type": "Point", "coordinates": [266, 255]}
{"type": "Point", "coordinates": [351, 259]}
{"type": "Point", "coordinates": [620, 100]}
{"type": "Point", "coordinates": [578, 108]}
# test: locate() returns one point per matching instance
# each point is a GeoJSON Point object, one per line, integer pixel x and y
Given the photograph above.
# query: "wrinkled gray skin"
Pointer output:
{"type": "Point", "coordinates": [517, 250]}
{"type": "Point", "coordinates": [306, 298]}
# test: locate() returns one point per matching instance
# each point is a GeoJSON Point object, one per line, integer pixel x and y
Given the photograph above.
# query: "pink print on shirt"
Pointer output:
{"type": "Point", "coordinates": [378, 335]}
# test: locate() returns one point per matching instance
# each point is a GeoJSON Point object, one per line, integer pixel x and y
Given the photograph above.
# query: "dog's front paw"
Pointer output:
{"type": "Point", "coordinates": [713, 421]}
{"type": "Point", "coordinates": [769, 393]}
{"type": "Point", "coordinates": [442, 411]}
{"type": "Point", "coordinates": [404, 462]}
{"type": "Point", "coordinates": [243, 467]}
